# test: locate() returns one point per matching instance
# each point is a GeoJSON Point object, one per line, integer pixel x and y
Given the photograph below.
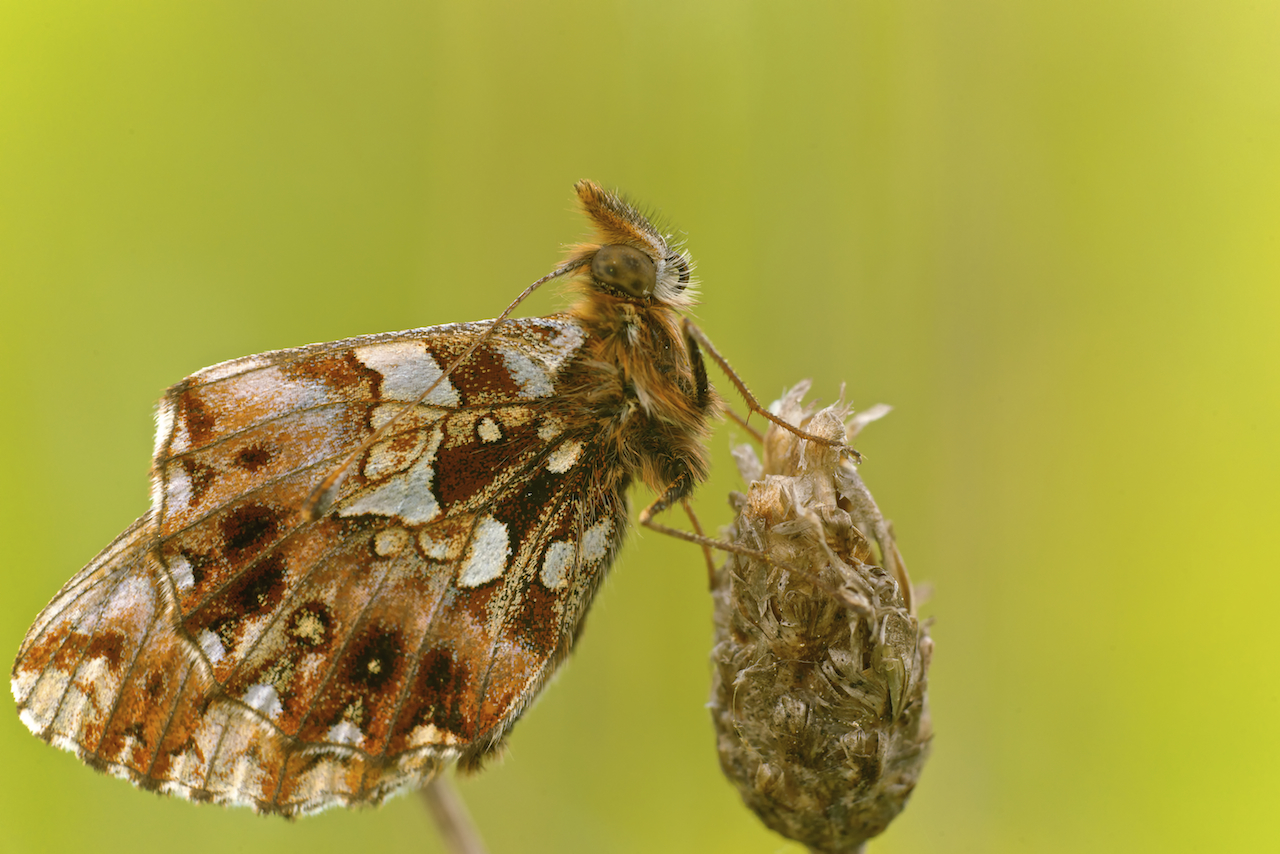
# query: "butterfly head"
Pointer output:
{"type": "Point", "coordinates": [631, 259]}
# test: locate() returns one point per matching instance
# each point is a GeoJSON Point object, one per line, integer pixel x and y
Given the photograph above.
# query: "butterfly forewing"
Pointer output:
{"type": "Point", "coordinates": [230, 647]}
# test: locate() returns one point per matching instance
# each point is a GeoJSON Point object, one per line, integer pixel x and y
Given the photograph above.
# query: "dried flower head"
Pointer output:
{"type": "Point", "coordinates": [818, 689]}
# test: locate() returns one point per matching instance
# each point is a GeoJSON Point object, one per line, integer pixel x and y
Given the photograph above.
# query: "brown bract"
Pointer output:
{"type": "Point", "coordinates": [818, 691]}
{"type": "Point", "coordinates": [233, 646]}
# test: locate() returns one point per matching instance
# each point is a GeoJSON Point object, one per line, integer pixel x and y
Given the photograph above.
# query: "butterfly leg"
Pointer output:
{"type": "Point", "coordinates": [696, 335]}
{"type": "Point", "coordinates": [706, 550]}
{"type": "Point", "coordinates": [677, 492]}
{"type": "Point", "coordinates": [742, 422]}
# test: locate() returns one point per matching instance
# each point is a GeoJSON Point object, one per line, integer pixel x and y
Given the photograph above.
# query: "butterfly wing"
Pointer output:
{"type": "Point", "coordinates": [71, 667]}
{"type": "Point", "coordinates": [225, 648]}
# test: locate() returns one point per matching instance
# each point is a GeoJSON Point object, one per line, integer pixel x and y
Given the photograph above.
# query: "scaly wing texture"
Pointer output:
{"type": "Point", "coordinates": [224, 649]}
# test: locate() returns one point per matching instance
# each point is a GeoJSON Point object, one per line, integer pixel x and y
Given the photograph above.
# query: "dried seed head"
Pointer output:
{"type": "Point", "coordinates": [818, 699]}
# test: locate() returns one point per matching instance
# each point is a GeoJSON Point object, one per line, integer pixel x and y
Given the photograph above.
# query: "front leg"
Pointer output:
{"type": "Point", "coordinates": [679, 491]}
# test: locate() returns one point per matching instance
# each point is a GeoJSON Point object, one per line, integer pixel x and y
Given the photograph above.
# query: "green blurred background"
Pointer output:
{"type": "Point", "coordinates": [1048, 233]}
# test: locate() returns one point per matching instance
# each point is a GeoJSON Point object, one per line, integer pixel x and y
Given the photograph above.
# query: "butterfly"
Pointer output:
{"type": "Point", "coordinates": [364, 559]}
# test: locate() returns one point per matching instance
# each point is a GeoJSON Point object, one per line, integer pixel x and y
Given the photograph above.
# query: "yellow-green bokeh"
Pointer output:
{"type": "Point", "coordinates": [1048, 233]}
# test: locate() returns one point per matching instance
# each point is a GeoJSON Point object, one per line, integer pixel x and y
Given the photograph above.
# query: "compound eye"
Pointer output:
{"type": "Point", "coordinates": [625, 268]}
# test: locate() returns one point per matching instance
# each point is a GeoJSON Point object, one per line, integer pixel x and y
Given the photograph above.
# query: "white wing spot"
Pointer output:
{"type": "Point", "coordinates": [177, 489]}
{"type": "Point", "coordinates": [487, 555]}
{"type": "Point", "coordinates": [529, 374]}
{"type": "Point", "coordinates": [407, 370]}
{"type": "Point", "coordinates": [263, 698]}
{"type": "Point", "coordinates": [406, 496]}
{"type": "Point", "coordinates": [555, 566]}
{"type": "Point", "coordinates": [431, 734]}
{"type": "Point", "coordinates": [550, 428]}
{"type": "Point", "coordinates": [595, 542]}
{"type": "Point", "coordinates": [212, 645]}
{"type": "Point", "coordinates": [345, 732]}
{"type": "Point", "coordinates": [489, 430]}
{"type": "Point", "coordinates": [563, 457]}
{"type": "Point", "coordinates": [568, 339]}
{"type": "Point", "coordinates": [180, 570]}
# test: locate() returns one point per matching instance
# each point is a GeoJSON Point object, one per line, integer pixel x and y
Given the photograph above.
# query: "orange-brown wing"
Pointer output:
{"type": "Point", "coordinates": [225, 649]}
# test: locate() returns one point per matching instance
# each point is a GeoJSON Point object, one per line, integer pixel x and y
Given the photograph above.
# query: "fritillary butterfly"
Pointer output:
{"type": "Point", "coordinates": [364, 559]}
